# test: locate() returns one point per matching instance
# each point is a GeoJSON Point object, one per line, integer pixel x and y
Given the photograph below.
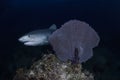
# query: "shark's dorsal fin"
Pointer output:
{"type": "Point", "coordinates": [53, 27]}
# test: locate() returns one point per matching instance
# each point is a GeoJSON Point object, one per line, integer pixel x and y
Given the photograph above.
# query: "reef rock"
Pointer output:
{"type": "Point", "coordinates": [51, 68]}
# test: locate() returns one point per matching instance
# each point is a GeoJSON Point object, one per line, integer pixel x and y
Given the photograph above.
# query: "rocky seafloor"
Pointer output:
{"type": "Point", "coordinates": [51, 68]}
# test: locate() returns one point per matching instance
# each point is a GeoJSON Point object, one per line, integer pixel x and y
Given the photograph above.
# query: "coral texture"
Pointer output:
{"type": "Point", "coordinates": [51, 68]}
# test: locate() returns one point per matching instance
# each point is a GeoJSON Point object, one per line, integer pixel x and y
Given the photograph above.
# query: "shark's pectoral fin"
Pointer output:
{"type": "Point", "coordinates": [53, 27]}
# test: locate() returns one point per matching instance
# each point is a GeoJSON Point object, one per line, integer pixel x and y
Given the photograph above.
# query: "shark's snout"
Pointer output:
{"type": "Point", "coordinates": [33, 41]}
{"type": "Point", "coordinates": [23, 39]}
{"type": "Point", "coordinates": [26, 41]}
{"type": "Point", "coordinates": [20, 39]}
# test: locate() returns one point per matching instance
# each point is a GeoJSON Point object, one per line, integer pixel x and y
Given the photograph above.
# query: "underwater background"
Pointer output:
{"type": "Point", "coordinates": [18, 17]}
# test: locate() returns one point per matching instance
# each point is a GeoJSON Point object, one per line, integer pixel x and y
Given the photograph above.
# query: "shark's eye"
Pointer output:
{"type": "Point", "coordinates": [29, 35]}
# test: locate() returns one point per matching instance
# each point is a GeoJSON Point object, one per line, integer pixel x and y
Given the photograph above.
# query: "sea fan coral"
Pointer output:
{"type": "Point", "coordinates": [74, 34]}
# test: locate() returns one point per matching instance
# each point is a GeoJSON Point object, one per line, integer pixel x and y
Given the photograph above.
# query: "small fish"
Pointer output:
{"type": "Point", "coordinates": [74, 40]}
{"type": "Point", "coordinates": [37, 37]}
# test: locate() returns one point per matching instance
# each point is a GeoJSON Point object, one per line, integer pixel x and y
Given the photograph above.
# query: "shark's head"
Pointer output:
{"type": "Point", "coordinates": [37, 37]}
{"type": "Point", "coordinates": [33, 40]}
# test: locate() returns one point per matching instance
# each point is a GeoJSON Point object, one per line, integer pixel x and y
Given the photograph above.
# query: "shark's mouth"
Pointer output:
{"type": "Point", "coordinates": [30, 43]}
{"type": "Point", "coordinates": [25, 41]}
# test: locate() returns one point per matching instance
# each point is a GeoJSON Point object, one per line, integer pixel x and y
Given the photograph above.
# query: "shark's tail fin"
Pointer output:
{"type": "Point", "coordinates": [53, 27]}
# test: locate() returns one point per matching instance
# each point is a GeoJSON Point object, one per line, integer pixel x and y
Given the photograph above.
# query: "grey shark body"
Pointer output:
{"type": "Point", "coordinates": [38, 37]}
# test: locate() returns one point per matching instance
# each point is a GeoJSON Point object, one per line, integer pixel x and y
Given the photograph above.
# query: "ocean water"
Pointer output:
{"type": "Point", "coordinates": [18, 17]}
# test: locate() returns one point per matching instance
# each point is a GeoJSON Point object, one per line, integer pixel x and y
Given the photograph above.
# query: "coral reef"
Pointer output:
{"type": "Point", "coordinates": [51, 68]}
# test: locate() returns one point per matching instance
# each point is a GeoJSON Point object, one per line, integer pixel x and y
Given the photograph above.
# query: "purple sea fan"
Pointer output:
{"type": "Point", "coordinates": [74, 34]}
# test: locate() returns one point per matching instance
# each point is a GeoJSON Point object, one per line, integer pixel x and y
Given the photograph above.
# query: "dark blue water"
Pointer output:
{"type": "Point", "coordinates": [21, 16]}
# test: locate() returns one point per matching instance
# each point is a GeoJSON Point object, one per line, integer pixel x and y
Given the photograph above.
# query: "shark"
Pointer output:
{"type": "Point", "coordinates": [37, 37]}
